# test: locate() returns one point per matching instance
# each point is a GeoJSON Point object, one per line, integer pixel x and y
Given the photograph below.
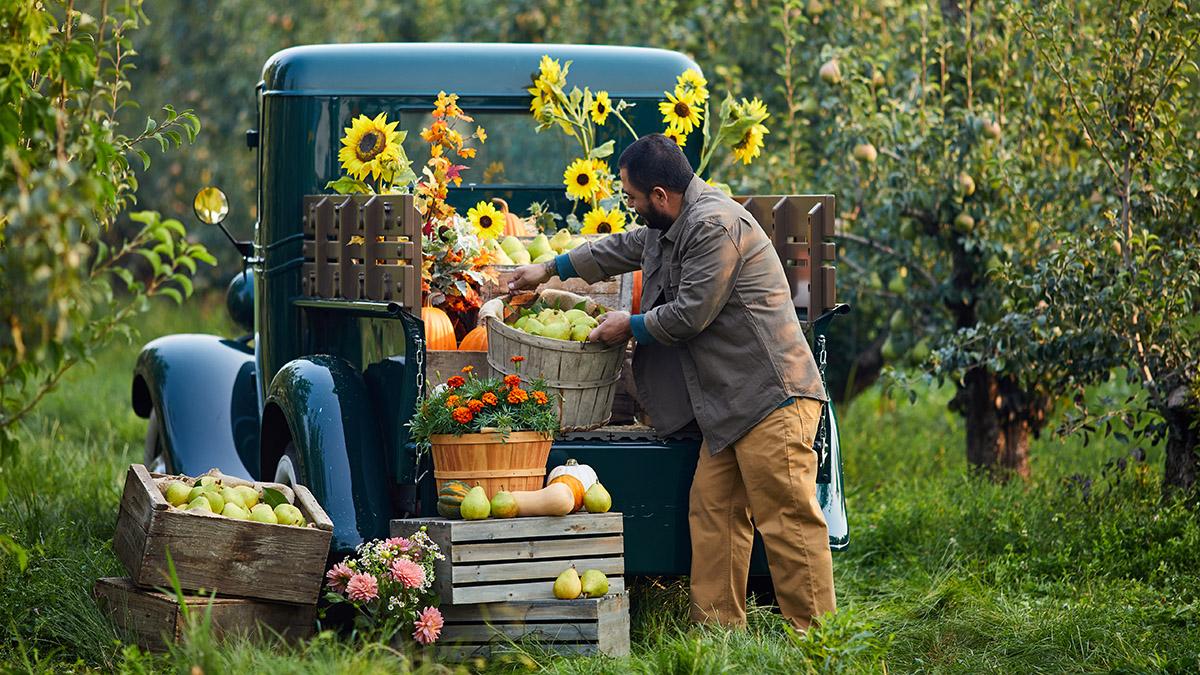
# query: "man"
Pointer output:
{"type": "Point", "coordinates": [719, 343]}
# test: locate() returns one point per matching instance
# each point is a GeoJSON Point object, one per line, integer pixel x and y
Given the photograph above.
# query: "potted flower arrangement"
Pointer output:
{"type": "Point", "coordinates": [389, 582]}
{"type": "Point", "coordinates": [488, 431]}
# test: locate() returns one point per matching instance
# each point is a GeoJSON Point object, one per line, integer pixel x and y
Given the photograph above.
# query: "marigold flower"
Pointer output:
{"type": "Point", "coordinates": [338, 575]}
{"type": "Point", "coordinates": [517, 359]}
{"type": "Point", "coordinates": [452, 400]}
{"type": "Point", "coordinates": [474, 406]}
{"type": "Point", "coordinates": [518, 395]}
{"type": "Point", "coordinates": [468, 369]}
{"type": "Point", "coordinates": [362, 587]}
{"type": "Point", "coordinates": [462, 415]}
{"type": "Point", "coordinates": [407, 572]}
{"type": "Point", "coordinates": [540, 397]}
{"type": "Point", "coordinates": [456, 382]}
{"type": "Point", "coordinates": [512, 381]}
{"type": "Point", "coordinates": [428, 626]}
{"type": "Point", "coordinates": [489, 398]}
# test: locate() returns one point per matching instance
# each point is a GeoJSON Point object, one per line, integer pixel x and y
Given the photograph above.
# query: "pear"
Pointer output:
{"type": "Point", "coordinates": [560, 240]}
{"type": "Point", "coordinates": [287, 514]}
{"type": "Point", "coordinates": [520, 257]}
{"type": "Point", "coordinates": [534, 327]}
{"type": "Point", "coordinates": [177, 493]}
{"type": "Point", "coordinates": [200, 504]}
{"type": "Point", "coordinates": [575, 315]}
{"type": "Point", "coordinates": [549, 314]}
{"type": "Point", "coordinates": [545, 257]}
{"type": "Point", "coordinates": [597, 499]}
{"type": "Point", "coordinates": [263, 513]}
{"type": "Point", "coordinates": [594, 584]}
{"type": "Point", "coordinates": [511, 245]}
{"type": "Point", "coordinates": [557, 330]}
{"type": "Point", "coordinates": [235, 510]}
{"type": "Point", "coordinates": [504, 505]}
{"type": "Point", "coordinates": [207, 481]}
{"type": "Point", "coordinates": [539, 246]}
{"type": "Point", "coordinates": [576, 242]}
{"type": "Point", "coordinates": [568, 586]}
{"type": "Point", "coordinates": [248, 494]}
{"type": "Point", "coordinates": [580, 332]}
{"type": "Point", "coordinates": [214, 498]}
{"type": "Point", "coordinates": [519, 324]}
{"type": "Point", "coordinates": [475, 506]}
{"type": "Point", "coordinates": [233, 496]}
{"type": "Point", "coordinates": [502, 257]}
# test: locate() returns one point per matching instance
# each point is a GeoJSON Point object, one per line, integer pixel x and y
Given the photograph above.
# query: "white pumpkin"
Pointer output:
{"type": "Point", "coordinates": [582, 472]}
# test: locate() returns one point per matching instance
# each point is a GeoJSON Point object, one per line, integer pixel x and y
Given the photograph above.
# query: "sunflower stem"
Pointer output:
{"type": "Point", "coordinates": [626, 123]}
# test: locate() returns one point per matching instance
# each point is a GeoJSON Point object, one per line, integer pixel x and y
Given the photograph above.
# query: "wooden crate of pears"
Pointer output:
{"type": "Point", "coordinates": [223, 534]}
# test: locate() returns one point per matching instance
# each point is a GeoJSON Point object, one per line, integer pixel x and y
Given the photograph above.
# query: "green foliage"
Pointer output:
{"type": "Point", "coordinates": [67, 287]}
{"type": "Point", "coordinates": [469, 404]}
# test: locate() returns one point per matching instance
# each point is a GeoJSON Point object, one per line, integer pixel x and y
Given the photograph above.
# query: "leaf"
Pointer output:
{"type": "Point", "coordinates": [153, 257]}
{"type": "Point", "coordinates": [347, 185]}
{"type": "Point", "coordinates": [273, 497]}
{"type": "Point", "coordinates": [172, 293]}
{"type": "Point", "coordinates": [144, 156]}
{"type": "Point", "coordinates": [603, 150]}
{"type": "Point", "coordinates": [184, 282]}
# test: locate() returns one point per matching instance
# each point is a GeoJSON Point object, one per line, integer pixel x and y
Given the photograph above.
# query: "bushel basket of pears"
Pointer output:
{"type": "Point", "coordinates": [513, 251]}
{"type": "Point", "coordinates": [570, 488]}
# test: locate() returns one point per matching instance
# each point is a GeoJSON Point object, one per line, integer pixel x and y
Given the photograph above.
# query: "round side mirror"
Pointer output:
{"type": "Point", "coordinates": [210, 205]}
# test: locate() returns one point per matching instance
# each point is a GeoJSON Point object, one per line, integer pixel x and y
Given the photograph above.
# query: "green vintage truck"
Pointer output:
{"type": "Point", "coordinates": [319, 389]}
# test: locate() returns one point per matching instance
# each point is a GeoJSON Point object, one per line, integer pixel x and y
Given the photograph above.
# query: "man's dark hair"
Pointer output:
{"type": "Point", "coordinates": [656, 161]}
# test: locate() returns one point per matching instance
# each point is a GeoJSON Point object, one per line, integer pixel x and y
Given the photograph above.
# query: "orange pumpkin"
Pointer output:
{"type": "Point", "coordinates": [576, 488]}
{"type": "Point", "coordinates": [439, 332]}
{"type": "Point", "coordinates": [637, 292]}
{"type": "Point", "coordinates": [512, 224]}
{"type": "Point", "coordinates": [475, 341]}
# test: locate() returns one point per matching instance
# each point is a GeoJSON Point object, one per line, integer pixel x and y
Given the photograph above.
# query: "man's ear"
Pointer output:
{"type": "Point", "coordinates": [658, 195]}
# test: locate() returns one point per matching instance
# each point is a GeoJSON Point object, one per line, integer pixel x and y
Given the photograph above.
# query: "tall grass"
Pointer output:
{"type": "Point", "coordinates": [1082, 568]}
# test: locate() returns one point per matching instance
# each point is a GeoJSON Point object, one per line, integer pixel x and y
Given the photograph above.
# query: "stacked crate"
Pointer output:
{"type": "Point", "coordinates": [496, 582]}
{"type": "Point", "coordinates": [246, 575]}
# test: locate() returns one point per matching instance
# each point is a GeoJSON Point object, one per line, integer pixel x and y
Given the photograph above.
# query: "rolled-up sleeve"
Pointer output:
{"type": "Point", "coordinates": [709, 266]}
{"type": "Point", "coordinates": [615, 254]}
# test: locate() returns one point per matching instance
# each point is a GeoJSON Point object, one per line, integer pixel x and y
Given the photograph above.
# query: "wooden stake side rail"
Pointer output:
{"type": "Point", "coordinates": [518, 559]}
{"type": "Point", "coordinates": [802, 229]}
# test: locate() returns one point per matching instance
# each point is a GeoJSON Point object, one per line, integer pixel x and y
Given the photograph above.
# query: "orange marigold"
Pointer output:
{"type": "Point", "coordinates": [517, 359]}
{"type": "Point", "coordinates": [468, 369]}
{"type": "Point", "coordinates": [456, 381]}
{"type": "Point", "coordinates": [452, 400]}
{"type": "Point", "coordinates": [512, 381]}
{"type": "Point", "coordinates": [474, 406]}
{"type": "Point", "coordinates": [489, 398]}
{"type": "Point", "coordinates": [518, 395]}
{"type": "Point", "coordinates": [462, 415]}
{"type": "Point", "coordinates": [540, 397]}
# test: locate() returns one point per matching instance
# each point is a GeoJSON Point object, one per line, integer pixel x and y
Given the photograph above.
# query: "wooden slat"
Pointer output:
{"type": "Point", "coordinates": [549, 569]}
{"type": "Point", "coordinates": [534, 549]}
{"type": "Point", "coordinates": [595, 625]}
{"type": "Point", "coordinates": [312, 509]}
{"type": "Point", "coordinates": [462, 652]}
{"type": "Point", "coordinates": [532, 610]}
{"type": "Point", "coordinates": [518, 591]}
{"type": "Point", "coordinates": [545, 632]}
{"type": "Point", "coordinates": [536, 527]}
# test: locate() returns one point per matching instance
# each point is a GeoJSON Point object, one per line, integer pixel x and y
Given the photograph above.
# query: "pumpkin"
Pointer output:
{"type": "Point", "coordinates": [583, 472]}
{"type": "Point", "coordinates": [552, 500]}
{"type": "Point", "coordinates": [637, 292]}
{"type": "Point", "coordinates": [439, 332]}
{"type": "Point", "coordinates": [475, 341]}
{"type": "Point", "coordinates": [512, 224]}
{"type": "Point", "coordinates": [449, 503]}
{"type": "Point", "coordinates": [577, 490]}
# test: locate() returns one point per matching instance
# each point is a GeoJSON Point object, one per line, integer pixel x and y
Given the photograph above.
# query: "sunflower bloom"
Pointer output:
{"type": "Point", "coordinates": [754, 109]}
{"type": "Point", "coordinates": [679, 138]}
{"type": "Point", "coordinates": [486, 220]}
{"type": "Point", "coordinates": [580, 179]}
{"type": "Point", "coordinates": [692, 82]}
{"type": "Point", "coordinates": [681, 112]}
{"type": "Point", "coordinates": [599, 221]}
{"type": "Point", "coordinates": [368, 145]}
{"type": "Point", "coordinates": [601, 107]}
{"type": "Point", "coordinates": [517, 396]}
{"type": "Point", "coordinates": [751, 144]}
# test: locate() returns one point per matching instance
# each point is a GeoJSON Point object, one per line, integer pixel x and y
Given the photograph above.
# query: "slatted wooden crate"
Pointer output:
{"type": "Point", "coordinates": [212, 553]}
{"type": "Point", "coordinates": [153, 620]}
{"type": "Point", "coordinates": [518, 559]}
{"type": "Point", "coordinates": [585, 626]}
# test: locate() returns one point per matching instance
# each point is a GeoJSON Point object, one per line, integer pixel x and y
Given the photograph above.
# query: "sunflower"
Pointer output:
{"type": "Point", "coordinates": [604, 181]}
{"type": "Point", "coordinates": [751, 144]}
{"type": "Point", "coordinates": [580, 179]}
{"type": "Point", "coordinates": [673, 134]}
{"type": "Point", "coordinates": [691, 81]}
{"type": "Point", "coordinates": [486, 220]}
{"type": "Point", "coordinates": [368, 145]}
{"type": "Point", "coordinates": [754, 109]}
{"type": "Point", "coordinates": [681, 112]}
{"type": "Point", "coordinates": [599, 221]}
{"type": "Point", "coordinates": [601, 107]}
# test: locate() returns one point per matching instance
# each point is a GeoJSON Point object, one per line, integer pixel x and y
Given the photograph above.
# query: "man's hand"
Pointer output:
{"type": "Point", "coordinates": [528, 277]}
{"type": "Point", "coordinates": [613, 329]}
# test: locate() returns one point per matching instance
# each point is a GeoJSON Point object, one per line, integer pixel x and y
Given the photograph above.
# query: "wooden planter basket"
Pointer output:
{"type": "Point", "coordinates": [487, 459]}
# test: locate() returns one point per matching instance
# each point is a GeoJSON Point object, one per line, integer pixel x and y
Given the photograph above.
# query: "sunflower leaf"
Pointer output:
{"type": "Point", "coordinates": [348, 185]}
{"type": "Point", "coordinates": [603, 150]}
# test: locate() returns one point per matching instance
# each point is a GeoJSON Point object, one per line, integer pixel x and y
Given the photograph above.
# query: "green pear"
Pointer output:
{"type": "Point", "coordinates": [200, 504]}
{"type": "Point", "coordinates": [520, 257]}
{"type": "Point", "coordinates": [549, 314]}
{"type": "Point", "coordinates": [475, 506]}
{"type": "Point", "coordinates": [511, 245]}
{"type": "Point", "coordinates": [264, 514]}
{"type": "Point", "coordinates": [594, 584]}
{"type": "Point", "coordinates": [539, 246]}
{"type": "Point", "coordinates": [177, 493]}
{"type": "Point", "coordinates": [534, 327]}
{"type": "Point", "coordinates": [568, 586]}
{"type": "Point", "coordinates": [560, 240]}
{"type": "Point", "coordinates": [287, 514]}
{"type": "Point", "coordinates": [214, 498]}
{"type": "Point", "coordinates": [580, 332]}
{"type": "Point", "coordinates": [545, 257]}
{"type": "Point", "coordinates": [504, 505]}
{"type": "Point", "coordinates": [576, 242]}
{"type": "Point", "coordinates": [502, 257]}
{"type": "Point", "coordinates": [235, 510]}
{"type": "Point", "coordinates": [207, 481]}
{"type": "Point", "coordinates": [597, 499]}
{"type": "Point", "coordinates": [519, 324]}
{"type": "Point", "coordinates": [558, 330]}
{"type": "Point", "coordinates": [575, 315]}
{"type": "Point", "coordinates": [233, 496]}
{"type": "Point", "coordinates": [249, 495]}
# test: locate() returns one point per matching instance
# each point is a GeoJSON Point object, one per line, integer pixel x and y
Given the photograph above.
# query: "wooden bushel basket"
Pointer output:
{"type": "Point", "coordinates": [487, 459]}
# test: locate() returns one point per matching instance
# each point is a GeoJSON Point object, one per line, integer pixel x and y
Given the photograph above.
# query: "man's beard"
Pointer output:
{"type": "Point", "coordinates": [657, 220]}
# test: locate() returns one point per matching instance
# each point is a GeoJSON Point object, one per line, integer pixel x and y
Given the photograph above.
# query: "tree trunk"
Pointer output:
{"type": "Point", "coordinates": [1183, 444]}
{"type": "Point", "coordinates": [999, 423]}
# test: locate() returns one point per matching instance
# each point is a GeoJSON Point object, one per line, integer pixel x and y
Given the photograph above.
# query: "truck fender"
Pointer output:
{"type": "Point", "coordinates": [203, 391]}
{"type": "Point", "coordinates": [319, 416]}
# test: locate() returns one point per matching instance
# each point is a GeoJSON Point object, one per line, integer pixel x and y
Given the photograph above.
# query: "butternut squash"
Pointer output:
{"type": "Point", "coordinates": [553, 500]}
{"type": "Point", "coordinates": [576, 488]}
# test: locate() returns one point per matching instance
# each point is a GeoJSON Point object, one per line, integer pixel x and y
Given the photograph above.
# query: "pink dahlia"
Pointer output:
{"type": "Point", "coordinates": [428, 626]}
{"type": "Point", "coordinates": [408, 572]}
{"type": "Point", "coordinates": [337, 576]}
{"type": "Point", "coordinates": [399, 543]}
{"type": "Point", "coordinates": [362, 587]}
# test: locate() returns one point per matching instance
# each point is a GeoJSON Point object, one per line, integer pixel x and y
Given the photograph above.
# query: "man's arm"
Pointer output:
{"type": "Point", "coordinates": [615, 254]}
{"type": "Point", "coordinates": [710, 266]}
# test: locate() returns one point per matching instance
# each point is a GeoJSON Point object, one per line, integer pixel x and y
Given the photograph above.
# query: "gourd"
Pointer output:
{"type": "Point", "coordinates": [583, 472]}
{"type": "Point", "coordinates": [450, 498]}
{"type": "Point", "coordinates": [577, 491]}
{"type": "Point", "coordinates": [475, 341]}
{"type": "Point", "coordinates": [512, 224]}
{"type": "Point", "coordinates": [439, 331]}
{"type": "Point", "coordinates": [552, 500]}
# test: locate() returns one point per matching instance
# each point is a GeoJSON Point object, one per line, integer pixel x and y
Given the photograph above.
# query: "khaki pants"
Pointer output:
{"type": "Point", "coordinates": [770, 473]}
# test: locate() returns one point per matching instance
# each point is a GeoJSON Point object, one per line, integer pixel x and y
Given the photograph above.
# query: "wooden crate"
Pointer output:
{"type": "Point", "coordinates": [586, 626]}
{"type": "Point", "coordinates": [153, 620]}
{"type": "Point", "coordinates": [504, 560]}
{"type": "Point", "coordinates": [216, 554]}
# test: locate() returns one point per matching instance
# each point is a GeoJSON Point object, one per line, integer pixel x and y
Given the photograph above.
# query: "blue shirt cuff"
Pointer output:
{"type": "Point", "coordinates": [637, 323]}
{"type": "Point", "coordinates": [566, 270]}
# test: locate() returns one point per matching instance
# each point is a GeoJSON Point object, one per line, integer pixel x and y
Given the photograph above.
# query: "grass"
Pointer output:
{"type": "Point", "coordinates": [1081, 569]}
